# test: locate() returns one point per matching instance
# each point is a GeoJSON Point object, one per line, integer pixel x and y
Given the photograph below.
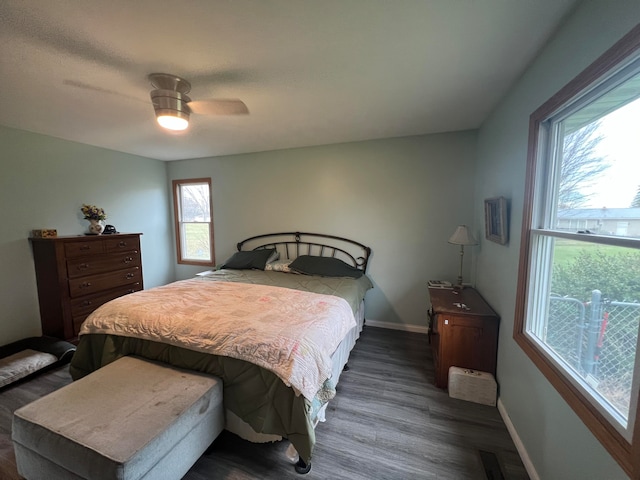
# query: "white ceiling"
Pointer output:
{"type": "Point", "coordinates": [312, 72]}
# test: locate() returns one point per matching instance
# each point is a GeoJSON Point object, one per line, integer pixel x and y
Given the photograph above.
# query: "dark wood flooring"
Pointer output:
{"type": "Point", "coordinates": [387, 421]}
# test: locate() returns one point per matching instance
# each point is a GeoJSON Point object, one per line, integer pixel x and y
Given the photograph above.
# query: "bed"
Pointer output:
{"type": "Point", "coordinates": [276, 322]}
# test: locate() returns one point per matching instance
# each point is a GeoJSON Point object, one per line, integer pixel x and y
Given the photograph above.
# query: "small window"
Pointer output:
{"type": "Point", "coordinates": [193, 221]}
{"type": "Point", "coordinates": [578, 306]}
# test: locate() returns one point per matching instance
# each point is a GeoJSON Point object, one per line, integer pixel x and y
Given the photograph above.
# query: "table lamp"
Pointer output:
{"type": "Point", "coordinates": [462, 236]}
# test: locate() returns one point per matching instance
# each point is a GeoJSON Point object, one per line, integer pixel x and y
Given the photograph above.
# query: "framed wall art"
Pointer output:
{"type": "Point", "coordinates": [496, 220]}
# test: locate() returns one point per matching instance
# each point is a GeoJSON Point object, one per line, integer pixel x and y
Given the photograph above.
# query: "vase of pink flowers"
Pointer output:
{"type": "Point", "coordinates": [95, 215]}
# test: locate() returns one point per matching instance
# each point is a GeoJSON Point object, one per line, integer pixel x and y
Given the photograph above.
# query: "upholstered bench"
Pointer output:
{"type": "Point", "coordinates": [132, 419]}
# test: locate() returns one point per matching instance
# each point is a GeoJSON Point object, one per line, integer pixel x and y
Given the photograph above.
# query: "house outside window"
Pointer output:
{"type": "Point", "coordinates": [578, 306]}
{"type": "Point", "coordinates": [192, 207]}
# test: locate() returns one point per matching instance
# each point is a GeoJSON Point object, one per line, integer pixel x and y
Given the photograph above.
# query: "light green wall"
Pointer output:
{"type": "Point", "coordinates": [43, 183]}
{"type": "Point", "coordinates": [403, 197]}
{"type": "Point", "coordinates": [557, 442]}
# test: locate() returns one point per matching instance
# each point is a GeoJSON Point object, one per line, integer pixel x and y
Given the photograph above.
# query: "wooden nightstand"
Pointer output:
{"type": "Point", "coordinates": [463, 332]}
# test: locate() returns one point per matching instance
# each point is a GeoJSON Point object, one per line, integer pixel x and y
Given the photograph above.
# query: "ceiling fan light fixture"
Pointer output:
{"type": "Point", "coordinates": [172, 111]}
{"type": "Point", "coordinates": [173, 106]}
{"type": "Point", "coordinates": [173, 121]}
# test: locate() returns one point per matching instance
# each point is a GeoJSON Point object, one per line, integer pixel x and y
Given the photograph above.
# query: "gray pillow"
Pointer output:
{"type": "Point", "coordinates": [324, 267]}
{"type": "Point", "coordinates": [254, 259]}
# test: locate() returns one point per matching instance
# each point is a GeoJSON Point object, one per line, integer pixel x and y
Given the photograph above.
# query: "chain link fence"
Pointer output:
{"type": "Point", "coordinates": [597, 339]}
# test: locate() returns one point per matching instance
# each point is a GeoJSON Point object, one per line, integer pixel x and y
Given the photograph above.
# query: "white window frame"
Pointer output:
{"type": "Point", "coordinates": [179, 230]}
{"type": "Point", "coordinates": [622, 444]}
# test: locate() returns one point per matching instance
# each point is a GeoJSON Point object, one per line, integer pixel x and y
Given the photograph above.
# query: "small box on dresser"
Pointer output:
{"type": "Point", "coordinates": [472, 385]}
{"type": "Point", "coordinates": [44, 233]}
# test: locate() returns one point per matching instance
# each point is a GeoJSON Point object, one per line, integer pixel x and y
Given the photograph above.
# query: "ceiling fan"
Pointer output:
{"type": "Point", "coordinates": [173, 106]}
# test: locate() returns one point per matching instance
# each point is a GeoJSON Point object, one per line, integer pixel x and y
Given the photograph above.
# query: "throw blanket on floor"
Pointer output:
{"type": "Point", "coordinates": [289, 332]}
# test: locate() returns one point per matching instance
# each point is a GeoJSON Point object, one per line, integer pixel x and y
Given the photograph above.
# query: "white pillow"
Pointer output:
{"type": "Point", "coordinates": [279, 266]}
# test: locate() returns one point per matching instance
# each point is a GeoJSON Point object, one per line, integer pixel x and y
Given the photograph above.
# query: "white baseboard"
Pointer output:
{"type": "Point", "coordinates": [397, 326]}
{"type": "Point", "coordinates": [524, 456]}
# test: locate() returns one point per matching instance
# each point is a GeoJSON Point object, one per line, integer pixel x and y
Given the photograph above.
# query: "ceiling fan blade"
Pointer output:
{"type": "Point", "coordinates": [219, 107]}
{"type": "Point", "coordinates": [86, 86]}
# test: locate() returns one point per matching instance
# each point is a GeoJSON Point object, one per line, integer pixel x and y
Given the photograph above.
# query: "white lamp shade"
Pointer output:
{"type": "Point", "coordinates": [462, 236]}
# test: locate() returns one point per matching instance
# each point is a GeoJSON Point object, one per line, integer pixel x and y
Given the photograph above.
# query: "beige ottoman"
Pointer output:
{"type": "Point", "coordinates": [132, 419]}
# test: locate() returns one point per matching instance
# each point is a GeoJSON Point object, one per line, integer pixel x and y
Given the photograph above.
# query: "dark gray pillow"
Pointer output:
{"type": "Point", "coordinates": [324, 266]}
{"type": "Point", "coordinates": [247, 260]}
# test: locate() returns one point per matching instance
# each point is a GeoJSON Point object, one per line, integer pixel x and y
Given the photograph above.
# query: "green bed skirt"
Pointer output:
{"type": "Point", "coordinates": [254, 394]}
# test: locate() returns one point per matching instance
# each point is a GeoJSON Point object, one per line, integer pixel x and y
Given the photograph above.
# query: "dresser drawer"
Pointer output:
{"type": "Point", "coordinates": [82, 248]}
{"type": "Point", "coordinates": [120, 244]}
{"type": "Point", "coordinates": [83, 306]}
{"type": "Point", "coordinates": [80, 267]}
{"type": "Point", "coordinates": [97, 283]}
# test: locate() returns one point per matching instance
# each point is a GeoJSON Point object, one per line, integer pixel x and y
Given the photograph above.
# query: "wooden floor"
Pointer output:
{"type": "Point", "coordinates": [387, 421]}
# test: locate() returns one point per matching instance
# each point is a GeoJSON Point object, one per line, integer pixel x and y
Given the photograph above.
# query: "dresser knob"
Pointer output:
{"type": "Point", "coordinates": [83, 266]}
{"type": "Point", "coordinates": [128, 259]}
{"type": "Point", "coordinates": [87, 303]}
{"type": "Point", "coordinates": [130, 275]}
{"type": "Point", "coordinates": [122, 243]}
{"type": "Point", "coordinates": [85, 285]}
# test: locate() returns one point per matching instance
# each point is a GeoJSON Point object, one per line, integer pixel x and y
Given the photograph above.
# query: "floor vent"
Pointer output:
{"type": "Point", "coordinates": [491, 465]}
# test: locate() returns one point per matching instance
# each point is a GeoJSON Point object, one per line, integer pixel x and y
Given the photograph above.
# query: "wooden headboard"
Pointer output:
{"type": "Point", "coordinates": [291, 245]}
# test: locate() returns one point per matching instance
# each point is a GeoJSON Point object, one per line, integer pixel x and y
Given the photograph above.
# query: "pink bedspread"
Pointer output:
{"type": "Point", "coordinates": [290, 332]}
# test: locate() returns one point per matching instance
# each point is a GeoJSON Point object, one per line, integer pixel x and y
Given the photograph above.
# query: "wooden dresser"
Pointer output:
{"type": "Point", "coordinates": [77, 274]}
{"type": "Point", "coordinates": [463, 332]}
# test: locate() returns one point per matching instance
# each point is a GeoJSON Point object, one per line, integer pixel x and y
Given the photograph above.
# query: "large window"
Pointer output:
{"type": "Point", "coordinates": [578, 306]}
{"type": "Point", "coordinates": [192, 208]}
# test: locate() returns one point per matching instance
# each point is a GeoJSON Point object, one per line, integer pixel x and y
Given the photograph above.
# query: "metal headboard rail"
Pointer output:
{"type": "Point", "coordinates": [297, 246]}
